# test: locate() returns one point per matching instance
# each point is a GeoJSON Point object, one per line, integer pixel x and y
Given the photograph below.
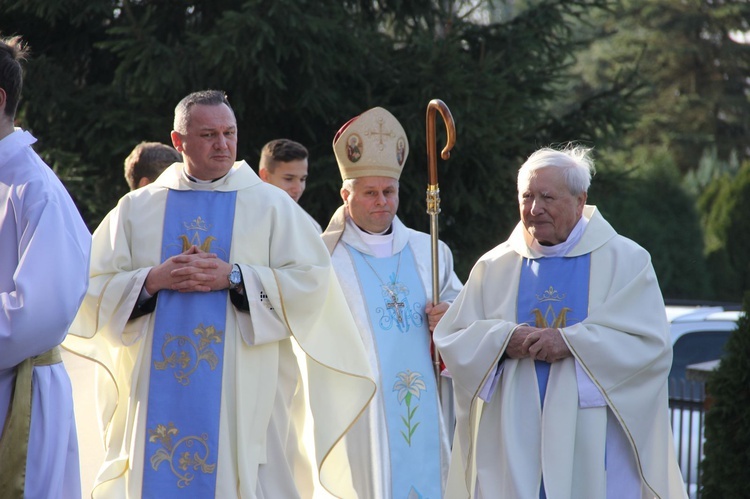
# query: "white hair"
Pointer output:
{"type": "Point", "coordinates": [348, 185]}
{"type": "Point", "coordinates": [575, 160]}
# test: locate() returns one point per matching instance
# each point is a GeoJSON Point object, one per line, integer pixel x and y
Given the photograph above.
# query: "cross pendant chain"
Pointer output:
{"type": "Point", "coordinates": [391, 289]}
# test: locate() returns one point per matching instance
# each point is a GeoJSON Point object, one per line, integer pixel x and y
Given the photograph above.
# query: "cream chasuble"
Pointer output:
{"type": "Point", "coordinates": [277, 247]}
{"type": "Point", "coordinates": [622, 345]}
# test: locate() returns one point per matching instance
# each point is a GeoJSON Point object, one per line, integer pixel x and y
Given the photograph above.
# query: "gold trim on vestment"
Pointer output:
{"type": "Point", "coordinates": [614, 410]}
{"type": "Point", "coordinates": [372, 382]}
{"type": "Point", "coordinates": [474, 422]}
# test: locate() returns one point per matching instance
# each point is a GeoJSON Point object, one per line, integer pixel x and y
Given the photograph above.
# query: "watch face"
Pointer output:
{"type": "Point", "coordinates": [235, 277]}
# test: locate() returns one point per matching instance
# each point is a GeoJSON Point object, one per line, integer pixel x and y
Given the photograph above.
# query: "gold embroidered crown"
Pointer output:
{"type": "Point", "coordinates": [197, 224]}
{"type": "Point", "coordinates": [551, 294]}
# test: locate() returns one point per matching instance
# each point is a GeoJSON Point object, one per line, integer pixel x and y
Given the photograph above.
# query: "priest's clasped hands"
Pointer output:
{"type": "Point", "coordinates": [545, 344]}
{"type": "Point", "coordinates": [190, 271]}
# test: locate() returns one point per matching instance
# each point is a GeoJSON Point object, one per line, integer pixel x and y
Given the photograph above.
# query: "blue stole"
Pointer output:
{"type": "Point", "coordinates": [184, 396]}
{"type": "Point", "coordinates": [553, 293]}
{"type": "Point", "coordinates": [395, 300]}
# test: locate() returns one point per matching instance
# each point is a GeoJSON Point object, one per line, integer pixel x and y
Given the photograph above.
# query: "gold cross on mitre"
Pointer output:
{"type": "Point", "coordinates": [380, 134]}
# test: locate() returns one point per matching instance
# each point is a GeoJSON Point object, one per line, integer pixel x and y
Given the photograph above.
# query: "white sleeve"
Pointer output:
{"type": "Point", "coordinates": [588, 394]}
{"type": "Point", "coordinates": [261, 324]}
{"type": "Point", "coordinates": [44, 281]}
{"type": "Point", "coordinates": [491, 384]}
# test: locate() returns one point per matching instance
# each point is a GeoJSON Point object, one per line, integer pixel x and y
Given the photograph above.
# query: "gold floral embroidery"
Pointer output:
{"type": "Point", "coordinates": [187, 350]}
{"type": "Point", "coordinates": [187, 457]}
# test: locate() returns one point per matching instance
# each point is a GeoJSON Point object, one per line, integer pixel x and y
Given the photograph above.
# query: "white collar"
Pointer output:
{"type": "Point", "coordinates": [381, 244]}
{"type": "Point", "coordinates": [199, 181]}
{"type": "Point", "coordinates": [562, 248]}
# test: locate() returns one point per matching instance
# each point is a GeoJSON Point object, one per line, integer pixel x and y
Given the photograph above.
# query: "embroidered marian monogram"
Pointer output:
{"type": "Point", "coordinates": [541, 301]}
{"type": "Point", "coordinates": [395, 295]}
{"type": "Point", "coordinates": [196, 227]}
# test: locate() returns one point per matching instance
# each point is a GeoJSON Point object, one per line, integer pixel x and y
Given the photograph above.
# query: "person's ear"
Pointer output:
{"type": "Point", "coordinates": [144, 181]}
{"type": "Point", "coordinates": [263, 174]}
{"type": "Point", "coordinates": [581, 203]}
{"type": "Point", "coordinates": [176, 140]}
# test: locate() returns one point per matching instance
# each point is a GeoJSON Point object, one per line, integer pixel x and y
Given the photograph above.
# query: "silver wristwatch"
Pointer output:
{"type": "Point", "coordinates": [235, 278]}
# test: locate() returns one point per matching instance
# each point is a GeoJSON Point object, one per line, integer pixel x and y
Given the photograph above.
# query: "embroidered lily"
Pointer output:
{"type": "Point", "coordinates": [408, 385]}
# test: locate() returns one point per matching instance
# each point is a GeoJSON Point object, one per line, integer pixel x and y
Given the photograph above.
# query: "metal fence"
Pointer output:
{"type": "Point", "coordinates": [687, 401]}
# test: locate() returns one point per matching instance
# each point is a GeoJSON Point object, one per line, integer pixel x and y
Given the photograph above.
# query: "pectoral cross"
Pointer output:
{"type": "Point", "coordinates": [396, 305]}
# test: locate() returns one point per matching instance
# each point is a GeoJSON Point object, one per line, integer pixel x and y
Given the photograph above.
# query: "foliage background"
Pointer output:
{"type": "Point", "coordinates": [658, 88]}
{"type": "Point", "coordinates": [728, 419]}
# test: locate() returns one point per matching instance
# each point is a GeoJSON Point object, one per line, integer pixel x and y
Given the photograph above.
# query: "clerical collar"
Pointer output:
{"type": "Point", "coordinates": [381, 245]}
{"type": "Point", "coordinates": [565, 246]}
{"type": "Point", "coordinates": [199, 181]}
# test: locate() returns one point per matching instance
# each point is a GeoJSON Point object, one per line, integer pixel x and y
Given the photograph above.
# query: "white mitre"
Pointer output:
{"type": "Point", "coordinates": [372, 144]}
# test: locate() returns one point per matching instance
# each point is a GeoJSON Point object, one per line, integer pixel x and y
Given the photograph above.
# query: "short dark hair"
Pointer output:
{"type": "Point", "coordinates": [149, 159]}
{"type": "Point", "coordinates": [12, 52]}
{"type": "Point", "coordinates": [202, 97]}
{"type": "Point", "coordinates": [280, 151]}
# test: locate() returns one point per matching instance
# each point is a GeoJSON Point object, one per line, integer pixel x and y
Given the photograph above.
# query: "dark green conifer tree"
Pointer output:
{"type": "Point", "coordinates": [727, 447]}
{"type": "Point", "coordinates": [106, 75]}
{"type": "Point", "coordinates": [725, 205]}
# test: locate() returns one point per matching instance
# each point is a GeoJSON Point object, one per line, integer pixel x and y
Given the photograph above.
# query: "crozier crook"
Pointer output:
{"type": "Point", "coordinates": [433, 198]}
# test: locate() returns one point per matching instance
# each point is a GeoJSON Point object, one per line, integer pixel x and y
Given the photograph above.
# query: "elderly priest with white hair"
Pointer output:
{"type": "Point", "coordinates": [559, 350]}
